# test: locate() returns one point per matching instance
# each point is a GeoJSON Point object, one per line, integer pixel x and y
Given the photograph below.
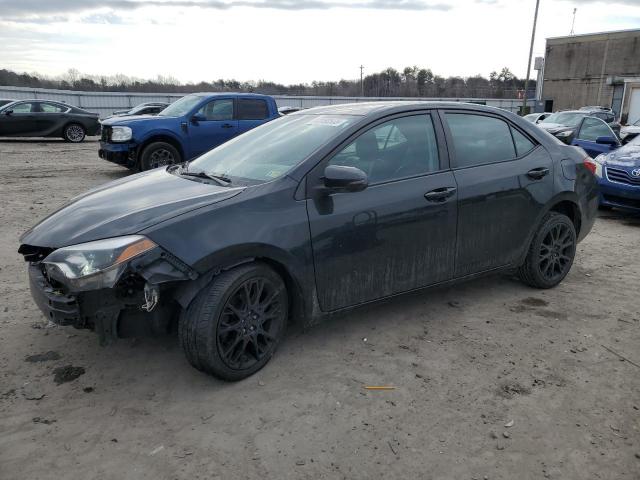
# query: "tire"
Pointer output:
{"type": "Point", "coordinates": [159, 154]}
{"type": "Point", "coordinates": [74, 133]}
{"type": "Point", "coordinates": [551, 252]}
{"type": "Point", "coordinates": [234, 325]}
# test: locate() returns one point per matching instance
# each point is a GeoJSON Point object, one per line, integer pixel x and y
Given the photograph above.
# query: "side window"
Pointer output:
{"type": "Point", "coordinates": [23, 108]}
{"type": "Point", "coordinates": [252, 109]}
{"type": "Point", "coordinates": [399, 148]}
{"type": "Point", "coordinates": [523, 144]}
{"type": "Point", "coordinates": [592, 128]}
{"type": "Point", "coordinates": [51, 108]}
{"type": "Point", "coordinates": [218, 110]}
{"type": "Point", "coordinates": [479, 139]}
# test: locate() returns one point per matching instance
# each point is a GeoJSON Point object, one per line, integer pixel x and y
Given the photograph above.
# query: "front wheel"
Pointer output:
{"type": "Point", "coordinates": [551, 252]}
{"type": "Point", "coordinates": [159, 154]}
{"type": "Point", "coordinates": [74, 133]}
{"type": "Point", "coordinates": [233, 326]}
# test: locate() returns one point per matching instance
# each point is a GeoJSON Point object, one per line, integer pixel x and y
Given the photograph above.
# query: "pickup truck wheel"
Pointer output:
{"type": "Point", "coordinates": [159, 154]}
{"type": "Point", "coordinates": [551, 253]}
{"type": "Point", "coordinates": [74, 133]}
{"type": "Point", "coordinates": [233, 326]}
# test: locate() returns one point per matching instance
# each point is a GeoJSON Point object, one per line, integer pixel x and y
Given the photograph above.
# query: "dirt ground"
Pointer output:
{"type": "Point", "coordinates": [493, 380]}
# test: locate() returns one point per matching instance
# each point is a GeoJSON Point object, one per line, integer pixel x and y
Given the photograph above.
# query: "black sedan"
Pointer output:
{"type": "Point", "coordinates": [46, 118]}
{"type": "Point", "coordinates": [310, 214]}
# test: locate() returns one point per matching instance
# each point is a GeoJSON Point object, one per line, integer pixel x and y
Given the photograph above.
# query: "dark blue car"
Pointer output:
{"type": "Point", "coordinates": [184, 130]}
{"type": "Point", "coordinates": [617, 168]}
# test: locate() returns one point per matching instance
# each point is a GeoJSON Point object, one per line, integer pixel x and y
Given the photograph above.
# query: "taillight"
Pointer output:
{"type": "Point", "coordinates": [590, 164]}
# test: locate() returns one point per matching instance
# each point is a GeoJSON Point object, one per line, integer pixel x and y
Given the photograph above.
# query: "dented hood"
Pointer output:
{"type": "Point", "coordinates": [124, 207]}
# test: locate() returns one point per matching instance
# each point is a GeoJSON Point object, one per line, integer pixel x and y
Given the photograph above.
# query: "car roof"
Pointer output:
{"type": "Point", "coordinates": [230, 94]}
{"type": "Point", "coordinates": [390, 107]}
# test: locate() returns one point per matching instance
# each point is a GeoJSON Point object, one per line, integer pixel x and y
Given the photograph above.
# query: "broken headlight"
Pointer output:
{"type": "Point", "coordinates": [95, 265]}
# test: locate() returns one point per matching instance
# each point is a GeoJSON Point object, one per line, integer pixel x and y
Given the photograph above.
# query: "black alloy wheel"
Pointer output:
{"type": "Point", "coordinates": [556, 252]}
{"type": "Point", "coordinates": [250, 322]}
{"type": "Point", "coordinates": [551, 253]}
{"type": "Point", "coordinates": [234, 325]}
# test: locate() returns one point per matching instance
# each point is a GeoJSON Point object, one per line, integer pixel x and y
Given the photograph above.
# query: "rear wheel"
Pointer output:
{"type": "Point", "coordinates": [234, 325]}
{"type": "Point", "coordinates": [74, 133]}
{"type": "Point", "coordinates": [159, 154]}
{"type": "Point", "coordinates": [551, 253]}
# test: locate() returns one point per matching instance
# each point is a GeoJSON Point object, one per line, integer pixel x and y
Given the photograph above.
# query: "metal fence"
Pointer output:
{"type": "Point", "coordinates": [105, 103]}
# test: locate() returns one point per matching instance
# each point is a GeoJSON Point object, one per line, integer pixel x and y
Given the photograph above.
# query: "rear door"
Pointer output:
{"type": "Point", "coordinates": [390, 237]}
{"type": "Point", "coordinates": [21, 121]}
{"type": "Point", "coordinates": [504, 181]}
{"type": "Point", "coordinates": [217, 127]}
{"type": "Point", "coordinates": [251, 112]}
{"type": "Point", "coordinates": [50, 117]}
{"type": "Point", "coordinates": [590, 129]}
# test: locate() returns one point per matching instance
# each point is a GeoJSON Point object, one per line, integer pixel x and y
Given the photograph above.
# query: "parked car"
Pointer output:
{"type": "Point", "coordinates": [563, 124]}
{"type": "Point", "coordinates": [184, 130]}
{"type": "Point", "coordinates": [288, 110]}
{"type": "Point", "coordinates": [536, 117]}
{"type": "Point", "coordinates": [311, 214]}
{"type": "Point", "coordinates": [629, 132]}
{"type": "Point", "coordinates": [149, 108]}
{"type": "Point", "coordinates": [4, 101]}
{"type": "Point", "coordinates": [46, 118]}
{"type": "Point", "coordinates": [616, 167]}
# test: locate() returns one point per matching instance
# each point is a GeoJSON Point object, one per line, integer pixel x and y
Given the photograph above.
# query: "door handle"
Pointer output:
{"type": "Point", "coordinates": [538, 173]}
{"type": "Point", "coordinates": [227, 125]}
{"type": "Point", "coordinates": [440, 194]}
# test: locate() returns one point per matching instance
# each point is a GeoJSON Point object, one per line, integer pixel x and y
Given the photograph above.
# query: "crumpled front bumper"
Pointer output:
{"type": "Point", "coordinates": [56, 306]}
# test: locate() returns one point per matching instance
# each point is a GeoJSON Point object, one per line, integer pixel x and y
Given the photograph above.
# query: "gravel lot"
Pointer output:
{"type": "Point", "coordinates": [466, 363]}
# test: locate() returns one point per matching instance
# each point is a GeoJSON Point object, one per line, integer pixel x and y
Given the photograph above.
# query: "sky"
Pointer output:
{"type": "Point", "coordinates": [289, 41]}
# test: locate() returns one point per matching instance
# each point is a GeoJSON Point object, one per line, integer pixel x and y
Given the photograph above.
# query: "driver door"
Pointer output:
{"type": "Point", "coordinates": [216, 127]}
{"type": "Point", "coordinates": [397, 234]}
{"type": "Point", "coordinates": [20, 122]}
{"type": "Point", "coordinates": [591, 130]}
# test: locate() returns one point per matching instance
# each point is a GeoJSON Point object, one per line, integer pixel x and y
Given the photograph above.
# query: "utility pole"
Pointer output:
{"type": "Point", "coordinates": [361, 81]}
{"type": "Point", "coordinates": [573, 22]}
{"type": "Point", "coordinates": [533, 37]}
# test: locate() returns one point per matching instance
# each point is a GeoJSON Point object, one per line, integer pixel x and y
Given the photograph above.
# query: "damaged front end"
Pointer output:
{"type": "Point", "coordinates": [118, 287]}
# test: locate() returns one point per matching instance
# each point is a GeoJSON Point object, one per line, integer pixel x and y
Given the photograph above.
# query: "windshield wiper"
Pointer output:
{"type": "Point", "coordinates": [219, 179]}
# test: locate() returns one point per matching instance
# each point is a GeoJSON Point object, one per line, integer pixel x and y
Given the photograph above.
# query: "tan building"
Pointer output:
{"type": "Point", "coordinates": [594, 69]}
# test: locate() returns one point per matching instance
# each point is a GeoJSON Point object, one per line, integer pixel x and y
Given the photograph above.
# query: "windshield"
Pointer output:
{"type": "Point", "coordinates": [181, 107]}
{"type": "Point", "coordinates": [570, 119]}
{"type": "Point", "coordinates": [532, 117]}
{"type": "Point", "coordinates": [3, 106]}
{"type": "Point", "coordinates": [271, 150]}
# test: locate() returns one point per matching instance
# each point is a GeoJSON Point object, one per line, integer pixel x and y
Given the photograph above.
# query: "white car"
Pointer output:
{"type": "Point", "coordinates": [536, 117]}
{"type": "Point", "coordinates": [629, 132]}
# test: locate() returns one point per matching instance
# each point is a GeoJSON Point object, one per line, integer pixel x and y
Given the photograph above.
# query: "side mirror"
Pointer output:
{"type": "Point", "coordinates": [8, 112]}
{"type": "Point", "coordinates": [338, 179]}
{"type": "Point", "coordinates": [607, 141]}
{"type": "Point", "coordinates": [198, 117]}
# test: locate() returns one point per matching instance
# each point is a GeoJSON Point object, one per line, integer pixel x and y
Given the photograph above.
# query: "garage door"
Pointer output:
{"type": "Point", "coordinates": [634, 106]}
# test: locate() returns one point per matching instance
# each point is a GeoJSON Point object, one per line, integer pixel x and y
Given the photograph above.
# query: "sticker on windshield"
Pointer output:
{"type": "Point", "coordinates": [328, 121]}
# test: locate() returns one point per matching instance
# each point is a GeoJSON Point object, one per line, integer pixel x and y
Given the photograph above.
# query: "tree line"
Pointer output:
{"type": "Point", "coordinates": [409, 82]}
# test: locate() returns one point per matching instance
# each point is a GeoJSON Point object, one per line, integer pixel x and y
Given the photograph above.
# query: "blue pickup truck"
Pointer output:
{"type": "Point", "coordinates": [184, 130]}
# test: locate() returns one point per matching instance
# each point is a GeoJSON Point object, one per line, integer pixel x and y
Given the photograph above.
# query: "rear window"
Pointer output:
{"type": "Point", "coordinates": [479, 139]}
{"type": "Point", "coordinates": [252, 109]}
